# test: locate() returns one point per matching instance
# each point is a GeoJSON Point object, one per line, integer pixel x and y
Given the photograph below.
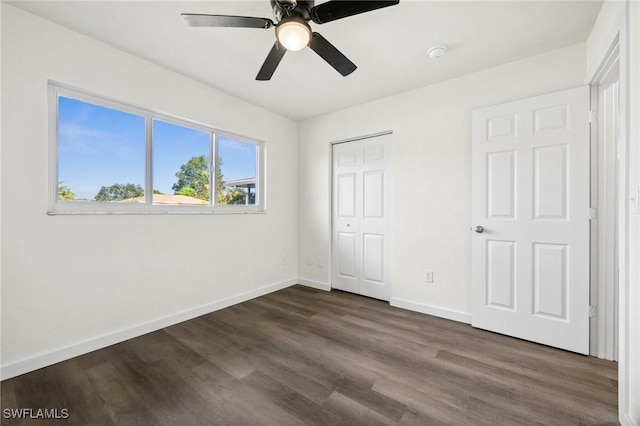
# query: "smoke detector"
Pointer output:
{"type": "Point", "coordinates": [436, 51]}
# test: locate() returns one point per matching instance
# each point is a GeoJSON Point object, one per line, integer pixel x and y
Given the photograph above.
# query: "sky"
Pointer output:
{"type": "Point", "coordinates": [99, 146]}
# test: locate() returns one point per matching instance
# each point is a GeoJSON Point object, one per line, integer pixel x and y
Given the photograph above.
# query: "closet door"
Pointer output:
{"type": "Point", "coordinates": [360, 243]}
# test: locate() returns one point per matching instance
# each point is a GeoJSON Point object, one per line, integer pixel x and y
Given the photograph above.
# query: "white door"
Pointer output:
{"type": "Point", "coordinates": [360, 236]}
{"type": "Point", "coordinates": [530, 196]}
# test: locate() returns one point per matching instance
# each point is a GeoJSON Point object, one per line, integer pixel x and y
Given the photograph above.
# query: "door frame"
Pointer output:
{"type": "Point", "coordinates": [618, 39]}
{"type": "Point", "coordinates": [604, 199]}
{"type": "Point", "coordinates": [389, 218]}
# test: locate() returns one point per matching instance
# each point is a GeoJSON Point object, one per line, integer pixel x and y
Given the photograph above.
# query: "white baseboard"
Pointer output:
{"type": "Point", "coordinates": [49, 358]}
{"type": "Point", "coordinates": [314, 284]}
{"type": "Point", "coordinates": [431, 310]}
{"type": "Point", "coordinates": [626, 420]}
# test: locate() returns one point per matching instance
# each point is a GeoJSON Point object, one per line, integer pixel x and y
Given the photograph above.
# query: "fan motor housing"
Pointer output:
{"type": "Point", "coordinates": [284, 8]}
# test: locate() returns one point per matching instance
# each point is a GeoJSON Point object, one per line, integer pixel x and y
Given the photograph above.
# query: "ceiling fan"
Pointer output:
{"type": "Point", "coordinates": [293, 31]}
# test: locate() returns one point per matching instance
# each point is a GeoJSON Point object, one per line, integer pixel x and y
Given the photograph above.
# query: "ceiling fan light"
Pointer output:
{"type": "Point", "coordinates": [293, 34]}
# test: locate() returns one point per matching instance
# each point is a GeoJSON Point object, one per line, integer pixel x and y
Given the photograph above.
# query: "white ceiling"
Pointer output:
{"type": "Point", "coordinates": [389, 45]}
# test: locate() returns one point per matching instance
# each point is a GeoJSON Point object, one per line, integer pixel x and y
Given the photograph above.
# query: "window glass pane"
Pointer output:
{"type": "Point", "coordinates": [180, 165]}
{"type": "Point", "coordinates": [101, 153]}
{"type": "Point", "coordinates": [236, 172]}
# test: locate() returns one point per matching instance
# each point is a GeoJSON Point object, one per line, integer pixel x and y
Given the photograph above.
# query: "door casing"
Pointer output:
{"type": "Point", "coordinates": [605, 134]}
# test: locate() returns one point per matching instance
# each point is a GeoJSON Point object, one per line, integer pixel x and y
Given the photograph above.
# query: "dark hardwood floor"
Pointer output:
{"type": "Point", "coordinates": [303, 356]}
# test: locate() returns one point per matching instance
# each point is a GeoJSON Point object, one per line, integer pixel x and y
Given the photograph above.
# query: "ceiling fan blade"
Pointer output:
{"type": "Point", "coordinates": [271, 63]}
{"type": "Point", "coordinates": [200, 20]}
{"type": "Point", "coordinates": [333, 56]}
{"type": "Point", "coordinates": [338, 9]}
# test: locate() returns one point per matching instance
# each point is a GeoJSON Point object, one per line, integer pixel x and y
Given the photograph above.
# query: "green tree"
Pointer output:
{"type": "Point", "coordinates": [187, 191]}
{"type": "Point", "coordinates": [64, 192]}
{"type": "Point", "coordinates": [220, 192]}
{"type": "Point", "coordinates": [235, 196]}
{"type": "Point", "coordinates": [194, 174]}
{"type": "Point", "coordinates": [119, 191]}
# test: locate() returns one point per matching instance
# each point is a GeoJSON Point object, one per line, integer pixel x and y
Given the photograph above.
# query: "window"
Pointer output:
{"type": "Point", "coordinates": [237, 166]}
{"type": "Point", "coordinates": [110, 157]}
{"type": "Point", "coordinates": [101, 152]}
{"type": "Point", "coordinates": [181, 164]}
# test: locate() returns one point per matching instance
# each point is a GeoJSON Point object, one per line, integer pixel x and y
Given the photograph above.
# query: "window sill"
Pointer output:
{"type": "Point", "coordinates": [153, 212]}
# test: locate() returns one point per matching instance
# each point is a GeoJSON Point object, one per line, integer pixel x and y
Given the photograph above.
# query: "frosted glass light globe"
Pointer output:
{"type": "Point", "coordinates": [293, 35]}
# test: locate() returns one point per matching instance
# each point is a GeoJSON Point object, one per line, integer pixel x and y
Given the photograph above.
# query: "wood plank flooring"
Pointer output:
{"type": "Point", "coordinates": [303, 356]}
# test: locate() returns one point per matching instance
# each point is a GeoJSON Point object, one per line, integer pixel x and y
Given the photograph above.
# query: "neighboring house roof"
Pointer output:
{"type": "Point", "coordinates": [241, 183]}
{"type": "Point", "coordinates": [168, 199]}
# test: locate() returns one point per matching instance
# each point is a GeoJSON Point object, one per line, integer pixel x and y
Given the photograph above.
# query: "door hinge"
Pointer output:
{"type": "Point", "coordinates": [593, 213]}
{"type": "Point", "coordinates": [593, 116]}
{"type": "Point", "coordinates": [593, 311]}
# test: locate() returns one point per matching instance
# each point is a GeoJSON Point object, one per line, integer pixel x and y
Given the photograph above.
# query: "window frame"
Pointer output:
{"type": "Point", "coordinates": [57, 207]}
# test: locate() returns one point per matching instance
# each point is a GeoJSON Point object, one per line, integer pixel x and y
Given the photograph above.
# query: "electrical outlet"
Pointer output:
{"type": "Point", "coordinates": [428, 276]}
{"type": "Point", "coordinates": [284, 260]}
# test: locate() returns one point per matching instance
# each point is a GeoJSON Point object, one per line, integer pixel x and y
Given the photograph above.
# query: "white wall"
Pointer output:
{"type": "Point", "coordinates": [613, 18]}
{"type": "Point", "coordinates": [431, 173]}
{"type": "Point", "coordinates": [633, 321]}
{"type": "Point", "coordinates": [634, 220]}
{"type": "Point", "coordinates": [67, 280]}
{"type": "Point", "coordinates": [634, 217]}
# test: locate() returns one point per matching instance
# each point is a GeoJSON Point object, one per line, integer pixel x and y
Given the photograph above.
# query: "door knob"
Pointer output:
{"type": "Point", "coordinates": [479, 229]}
{"type": "Point", "coordinates": [348, 224]}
